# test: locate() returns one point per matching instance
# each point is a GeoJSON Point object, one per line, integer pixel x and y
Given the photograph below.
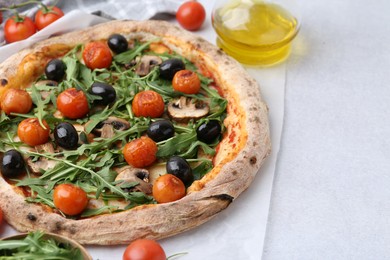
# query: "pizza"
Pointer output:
{"type": "Point", "coordinates": [126, 130]}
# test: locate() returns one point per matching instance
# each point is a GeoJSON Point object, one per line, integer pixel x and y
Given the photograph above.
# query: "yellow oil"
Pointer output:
{"type": "Point", "coordinates": [255, 32]}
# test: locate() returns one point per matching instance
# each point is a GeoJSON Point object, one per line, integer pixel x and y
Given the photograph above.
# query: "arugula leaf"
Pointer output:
{"type": "Point", "coordinates": [36, 246]}
{"type": "Point", "coordinates": [176, 144]}
{"type": "Point", "coordinates": [129, 55]}
{"type": "Point", "coordinates": [202, 169]}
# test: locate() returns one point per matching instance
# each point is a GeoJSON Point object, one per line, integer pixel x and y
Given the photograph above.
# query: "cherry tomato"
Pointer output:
{"type": "Point", "coordinates": [144, 249]}
{"type": "Point", "coordinates": [32, 133]}
{"type": "Point", "coordinates": [186, 81]}
{"type": "Point", "coordinates": [70, 199]}
{"type": "Point", "coordinates": [140, 152]}
{"type": "Point", "coordinates": [72, 103]}
{"type": "Point", "coordinates": [191, 15]}
{"type": "Point", "coordinates": [16, 101]}
{"type": "Point", "coordinates": [18, 28]}
{"type": "Point", "coordinates": [168, 188]}
{"type": "Point", "coordinates": [148, 103]}
{"type": "Point", "coordinates": [97, 55]}
{"type": "Point", "coordinates": [46, 16]}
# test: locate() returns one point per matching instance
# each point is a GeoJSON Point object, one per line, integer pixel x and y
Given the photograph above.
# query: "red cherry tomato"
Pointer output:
{"type": "Point", "coordinates": [46, 16]}
{"type": "Point", "coordinates": [144, 249]}
{"type": "Point", "coordinates": [32, 133]}
{"type": "Point", "coordinates": [16, 101]}
{"type": "Point", "coordinates": [97, 55]}
{"type": "Point", "coordinates": [1, 216]}
{"type": "Point", "coordinates": [140, 152]}
{"type": "Point", "coordinates": [191, 15]}
{"type": "Point", "coordinates": [73, 103]}
{"type": "Point", "coordinates": [186, 81]}
{"type": "Point", "coordinates": [70, 199]}
{"type": "Point", "coordinates": [18, 28]}
{"type": "Point", "coordinates": [148, 103]}
{"type": "Point", "coordinates": [168, 188]}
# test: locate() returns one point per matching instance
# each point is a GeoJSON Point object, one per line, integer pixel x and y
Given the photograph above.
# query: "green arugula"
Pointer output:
{"type": "Point", "coordinates": [36, 246]}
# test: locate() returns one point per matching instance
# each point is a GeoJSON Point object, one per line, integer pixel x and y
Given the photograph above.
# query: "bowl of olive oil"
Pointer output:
{"type": "Point", "coordinates": [254, 32]}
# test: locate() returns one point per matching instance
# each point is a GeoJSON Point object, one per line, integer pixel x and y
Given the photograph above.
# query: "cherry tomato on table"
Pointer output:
{"type": "Point", "coordinates": [32, 133]}
{"type": "Point", "coordinates": [73, 103]}
{"type": "Point", "coordinates": [18, 28]}
{"type": "Point", "coordinates": [16, 101]}
{"type": "Point", "coordinates": [144, 249]}
{"type": "Point", "coordinates": [168, 188]}
{"type": "Point", "coordinates": [140, 152]}
{"type": "Point", "coordinates": [191, 15]}
{"type": "Point", "coordinates": [186, 81]}
{"type": "Point", "coordinates": [148, 103]}
{"type": "Point", "coordinates": [97, 55]}
{"type": "Point", "coordinates": [70, 199]}
{"type": "Point", "coordinates": [46, 16]}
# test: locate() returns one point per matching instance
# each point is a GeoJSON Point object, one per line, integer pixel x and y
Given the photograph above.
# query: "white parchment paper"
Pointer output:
{"type": "Point", "coordinates": [236, 233]}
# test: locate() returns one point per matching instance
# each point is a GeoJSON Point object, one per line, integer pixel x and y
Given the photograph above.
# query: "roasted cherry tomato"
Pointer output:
{"type": "Point", "coordinates": [16, 101]}
{"type": "Point", "coordinates": [1, 216]}
{"type": "Point", "coordinates": [72, 103]}
{"type": "Point", "coordinates": [70, 199]}
{"type": "Point", "coordinates": [47, 15]}
{"type": "Point", "coordinates": [31, 132]}
{"type": "Point", "coordinates": [148, 103]}
{"type": "Point", "coordinates": [97, 55]}
{"type": "Point", "coordinates": [18, 28]}
{"type": "Point", "coordinates": [140, 152]}
{"type": "Point", "coordinates": [191, 15]}
{"type": "Point", "coordinates": [186, 81]}
{"type": "Point", "coordinates": [144, 249]}
{"type": "Point", "coordinates": [168, 188]}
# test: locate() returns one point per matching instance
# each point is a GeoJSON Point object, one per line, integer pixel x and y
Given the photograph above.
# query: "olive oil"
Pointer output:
{"type": "Point", "coordinates": [255, 32]}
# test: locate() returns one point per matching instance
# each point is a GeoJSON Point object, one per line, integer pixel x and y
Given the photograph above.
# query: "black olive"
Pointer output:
{"type": "Point", "coordinates": [208, 132]}
{"type": "Point", "coordinates": [66, 135]}
{"type": "Point", "coordinates": [160, 130]}
{"type": "Point", "coordinates": [103, 90]}
{"type": "Point", "coordinates": [169, 68]}
{"type": "Point", "coordinates": [12, 163]}
{"type": "Point", "coordinates": [55, 70]}
{"type": "Point", "coordinates": [117, 43]}
{"type": "Point", "coordinates": [179, 167]}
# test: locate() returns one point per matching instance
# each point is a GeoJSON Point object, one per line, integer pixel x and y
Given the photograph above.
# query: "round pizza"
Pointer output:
{"type": "Point", "coordinates": [126, 130]}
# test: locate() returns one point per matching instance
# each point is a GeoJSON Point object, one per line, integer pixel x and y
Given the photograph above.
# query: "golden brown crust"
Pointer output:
{"type": "Point", "coordinates": [240, 155]}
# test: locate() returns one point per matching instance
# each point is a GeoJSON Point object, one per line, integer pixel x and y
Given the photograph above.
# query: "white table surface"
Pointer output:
{"type": "Point", "coordinates": [331, 192]}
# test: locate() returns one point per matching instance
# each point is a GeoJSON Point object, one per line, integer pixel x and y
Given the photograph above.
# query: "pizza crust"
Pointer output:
{"type": "Point", "coordinates": [241, 153]}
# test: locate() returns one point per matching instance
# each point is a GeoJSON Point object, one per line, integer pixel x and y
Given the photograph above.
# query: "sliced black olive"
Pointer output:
{"type": "Point", "coordinates": [12, 163]}
{"type": "Point", "coordinates": [208, 132]}
{"type": "Point", "coordinates": [160, 130]}
{"type": "Point", "coordinates": [179, 167]}
{"type": "Point", "coordinates": [55, 70]}
{"type": "Point", "coordinates": [66, 135]}
{"type": "Point", "coordinates": [105, 91]}
{"type": "Point", "coordinates": [169, 67]}
{"type": "Point", "coordinates": [117, 43]}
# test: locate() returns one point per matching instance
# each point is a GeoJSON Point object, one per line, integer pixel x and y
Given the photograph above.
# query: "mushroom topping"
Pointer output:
{"type": "Point", "coordinates": [146, 63]}
{"type": "Point", "coordinates": [185, 108]}
{"type": "Point", "coordinates": [43, 163]}
{"type": "Point", "coordinates": [128, 175]}
{"type": "Point", "coordinates": [106, 129]}
{"type": "Point", "coordinates": [47, 82]}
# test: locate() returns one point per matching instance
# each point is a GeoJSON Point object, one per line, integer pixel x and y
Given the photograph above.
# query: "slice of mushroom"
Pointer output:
{"type": "Point", "coordinates": [146, 63]}
{"type": "Point", "coordinates": [43, 163]}
{"type": "Point", "coordinates": [185, 108]}
{"type": "Point", "coordinates": [106, 128]}
{"type": "Point", "coordinates": [130, 174]}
